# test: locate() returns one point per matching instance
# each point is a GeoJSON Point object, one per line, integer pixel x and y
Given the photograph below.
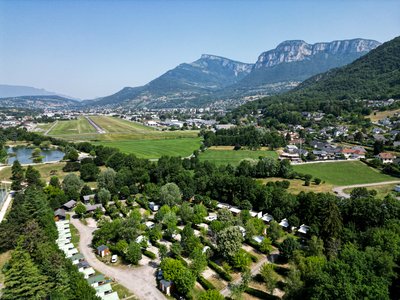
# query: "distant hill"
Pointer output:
{"type": "Point", "coordinates": [7, 90]}
{"type": "Point", "coordinates": [186, 82]}
{"type": "Point", "coordinates": [39, 102]}
{"type": "Point", "coordinates": [374, 76]}
{"type": "Point", "coordinates": [213, 78]}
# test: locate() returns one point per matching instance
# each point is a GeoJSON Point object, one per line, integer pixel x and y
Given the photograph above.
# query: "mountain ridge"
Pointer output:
{"type": "Point", "coordinates": [374, 76]}
{"type": "Point", "coordinates": [214, 77]}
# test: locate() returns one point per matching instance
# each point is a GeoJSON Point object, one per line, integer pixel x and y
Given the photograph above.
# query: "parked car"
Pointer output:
{"type": "Point", "coordinates": [114, 258]}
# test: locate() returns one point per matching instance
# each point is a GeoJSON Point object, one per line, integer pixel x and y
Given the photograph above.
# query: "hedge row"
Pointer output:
{"type": "Point", "coordinates": [205, 283]}
{"type": "Point", "coordinates": [221, 272]}
{"type": "Point", "coordinates": [149, 254]}
{"type": "Point", "coordinates": [259, 294]}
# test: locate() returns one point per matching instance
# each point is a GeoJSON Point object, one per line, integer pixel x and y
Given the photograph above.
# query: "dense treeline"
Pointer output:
{"type": "Point", "coordinates": [353, 253]}
{"type": "Point", "coordinates": [373, 76]}
{"type": "Point", "coordinates": [37, 269]}
{"type": "Point", "coordinates": [249, 136]}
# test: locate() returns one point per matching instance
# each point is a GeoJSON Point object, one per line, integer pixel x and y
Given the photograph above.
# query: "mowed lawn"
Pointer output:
{"type": "Point", "coordinates": [72, 127]}
{"type": "Point", "coordinates": [233, 157]}
{"type": "Point", "coordinates": [343, 173]}
{"type": "Point", "coordinates": [156, 148]}
{"type": "Point", "coordinates": [116, 130]}
{"type": "Point", "coordinates": [118, 125]}
{"type": "Point", "coordinates": [46, 171]}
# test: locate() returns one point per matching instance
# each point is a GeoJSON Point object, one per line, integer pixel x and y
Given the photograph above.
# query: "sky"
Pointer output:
{"type": "Point", "coordinates": [90, 49]}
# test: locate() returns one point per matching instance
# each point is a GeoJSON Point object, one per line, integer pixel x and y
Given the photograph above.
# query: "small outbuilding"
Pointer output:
{"type": "Point", "coordinates": [303, 229]}
{"type": "Point", "coordinates": [284, 223]}
{"type": "Point", "coordinates": [267, 218]}
{"type": "Point", "coordinates": [59, 214]}
{"type": "Point", "coordinates": [69, 205]}
{"type": "Point", "coordinates": [103, 250]}
{"type": "Point", "coordinates": [92, 208]}
{"type": "Point", "coordinates": [87, 198]}
{"type": "Point", "coordinates": [165, 286]}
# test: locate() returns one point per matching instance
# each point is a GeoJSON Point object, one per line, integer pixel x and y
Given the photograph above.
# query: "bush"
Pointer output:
{"type": "Point", "coordinates": [72, 166]}
{"type": "Point", "coordinates": [205, 283]}
{"type": "Point", "coordinates": [224, 275]}
{"type": "Point", "coordinates": [253, 257]}
{"type": "Point", "coordinates": [259, 294]}
{"type": "Point", "coordinates": [143, 202]}
{"type": "Point", "coordinates": [149, 254]}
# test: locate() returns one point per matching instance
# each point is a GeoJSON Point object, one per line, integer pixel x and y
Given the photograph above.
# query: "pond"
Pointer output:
{"type": "Point", "coordinates": [24, 155]}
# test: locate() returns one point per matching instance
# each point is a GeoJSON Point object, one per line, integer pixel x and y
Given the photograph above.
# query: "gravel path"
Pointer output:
{"type": "Point", "coordinates": [254, 270]}
{"type": "Point", "coordinates": [339, 190]}
{"type": "Point", "coordinates": [139, 280]}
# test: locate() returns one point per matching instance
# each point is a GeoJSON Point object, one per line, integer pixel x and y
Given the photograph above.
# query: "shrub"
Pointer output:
{"type": "Point", "coordinates": [205, 283]}
{"type": "Point", "coordinates": [224, 275]}
{"type": "Point", "coordinates": [149, 254]}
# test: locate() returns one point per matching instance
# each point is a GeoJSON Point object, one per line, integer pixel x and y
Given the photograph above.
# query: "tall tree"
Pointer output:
{"type": "Point", "coordinates": [23, 279]}
{"type": "Point", "coordinates": [229, 241]}
{"type": "Point", "coordinates": [269, 276]}
{"type": "Point", "coordinates": [134, 253]}
{"type": "Point", "coordinates": [33, 177]}
{"type": "Point", "coordinates": [17, 176]}
{"type": "Point", "coordinates": [170, 194]}
{"type": "Point", "coordinates": [72, 186]}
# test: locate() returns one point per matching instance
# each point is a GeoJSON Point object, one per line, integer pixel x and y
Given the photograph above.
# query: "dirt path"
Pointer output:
{"type": "Point", "coordinates": [339, 190]}
{"type": "Point", "coordinates": [139, 280]}
{"type": "Point", "coordinates": [254, 270]}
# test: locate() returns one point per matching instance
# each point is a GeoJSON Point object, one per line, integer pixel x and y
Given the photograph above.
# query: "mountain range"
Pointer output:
{"type": "Point", "coordinates": [212, 78]}
{"type": "Point", "coordinates": [220, 81]}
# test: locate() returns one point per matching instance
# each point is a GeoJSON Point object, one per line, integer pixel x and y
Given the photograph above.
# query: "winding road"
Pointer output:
{"type": "Point", "coordinates": [139, 280]}
{"type": "Point", "coordinates": [339, 190]}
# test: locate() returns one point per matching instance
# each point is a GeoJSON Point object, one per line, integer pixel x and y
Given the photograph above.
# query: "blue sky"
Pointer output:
{"type": "Point", "coordinates": [93, 48]}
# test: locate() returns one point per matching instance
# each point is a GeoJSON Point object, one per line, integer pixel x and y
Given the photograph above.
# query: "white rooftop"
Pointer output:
{"type": "Point", "coordinates": [284, 223]}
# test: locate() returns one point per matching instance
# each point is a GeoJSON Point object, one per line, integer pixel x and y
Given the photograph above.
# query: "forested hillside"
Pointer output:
{"type": "Point", "coordinates": [374, 76]}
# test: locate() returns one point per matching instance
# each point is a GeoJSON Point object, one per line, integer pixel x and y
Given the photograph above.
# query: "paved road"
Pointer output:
{"type": "Point", "coordinates": [139, 280]}
{"type": "Point", "coordinates": [323, 161]}
{"type": "Point", "coordinates": [97, 127]}
{"type": "Point", "coordinates": [339, 190]}
{"type": "Point", "coordinates": [52, 126]}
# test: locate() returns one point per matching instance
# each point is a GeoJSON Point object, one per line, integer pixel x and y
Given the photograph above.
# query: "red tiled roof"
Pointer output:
{"type": "Point", "coordinates": [385, 155]}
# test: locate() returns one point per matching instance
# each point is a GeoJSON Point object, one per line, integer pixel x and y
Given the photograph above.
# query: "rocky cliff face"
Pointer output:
{"type": "Point", "coordinates": [298, 50]}
{"type": "Point", "coordinates": [212, 78]}
{"type": "Point", "coordinates": [207, 61]}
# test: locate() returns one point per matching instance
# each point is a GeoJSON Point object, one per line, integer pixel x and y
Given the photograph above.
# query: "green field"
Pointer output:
{"type": "Point", "coordinates": [117, 125]}
{"type": "Point", "coordinates": [224, 157]}
{"type": "Point", "coordinates": [72, 127]}
{"type": "Point", "coordinates": [382, 190]}
{"type": "Point", "coordinates": [116, 130]}
{"type": "Point", "coordinates": [343, 173]}
{"type": "Point", "coordinates": [156, 148]}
